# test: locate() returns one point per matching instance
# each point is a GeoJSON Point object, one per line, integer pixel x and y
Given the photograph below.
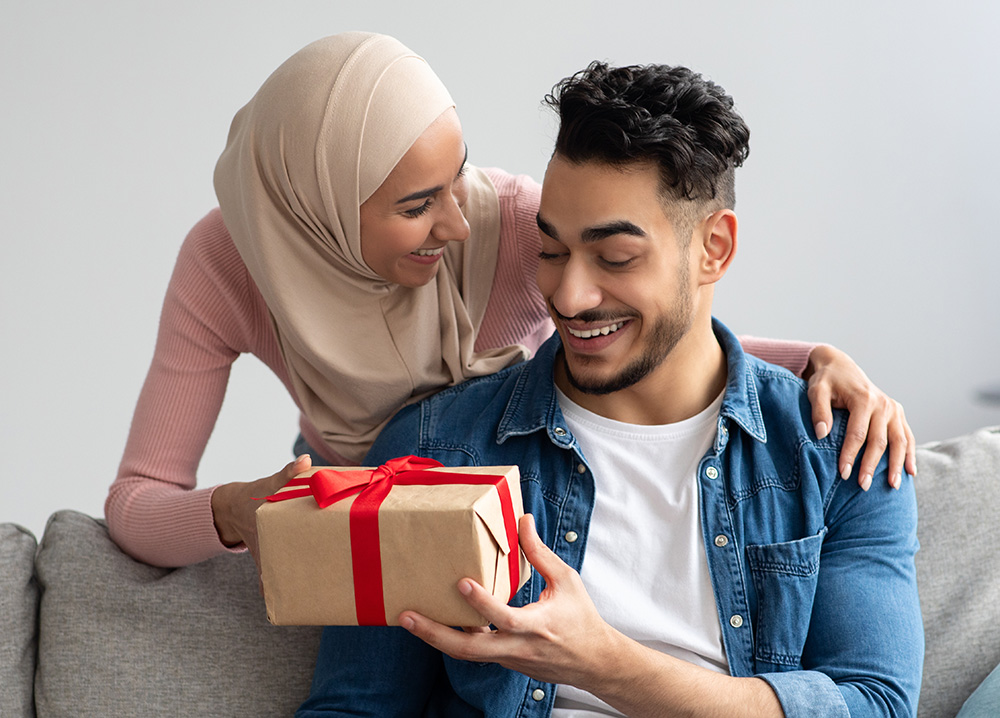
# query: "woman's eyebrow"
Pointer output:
{"type": "Point", "coordinates": [430, 191]}
{"type": "Point", "coordinates": [420, 194]}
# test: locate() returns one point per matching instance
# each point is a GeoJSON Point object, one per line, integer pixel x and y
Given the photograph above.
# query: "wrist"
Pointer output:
{"type": "Point", "coordinates": [619, 668]}
{"type": "Point", "coordinates": [223, 500]}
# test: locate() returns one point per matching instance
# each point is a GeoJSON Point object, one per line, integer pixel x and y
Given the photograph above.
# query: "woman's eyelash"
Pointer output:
{"type": "Point", "coordinates": [418, 211]}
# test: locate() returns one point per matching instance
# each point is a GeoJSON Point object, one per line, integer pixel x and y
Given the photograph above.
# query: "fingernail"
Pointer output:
{"type": "Point", "coordinates": [464, 587]}
{"type": "Point", "coordinates": [866, 482]}
{"type": "Point", "coordinates": [822, 430]}
{"type": "Point", "coordinates": [845, 473]}
{"type": "Point", "coordinates": [897, 481]}
{"type": "Point", "coordinates": [406, 622]}
{"type": "Point", "coordinates": [301, 457]}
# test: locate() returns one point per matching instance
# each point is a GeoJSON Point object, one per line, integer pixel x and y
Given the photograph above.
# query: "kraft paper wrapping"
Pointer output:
{"type": "Point", "coordinates": [429, 536]}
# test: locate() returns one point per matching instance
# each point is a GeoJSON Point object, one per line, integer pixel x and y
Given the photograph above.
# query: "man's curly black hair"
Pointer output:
{"type": "Point", "coordinates": [654, 113]}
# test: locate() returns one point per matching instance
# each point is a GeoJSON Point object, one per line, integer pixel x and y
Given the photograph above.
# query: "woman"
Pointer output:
{"type": "Point", "coordinates": [358, 256]}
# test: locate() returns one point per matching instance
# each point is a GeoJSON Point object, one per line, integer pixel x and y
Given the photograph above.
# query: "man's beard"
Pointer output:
{"type": "Point", "coordinates": [666, 333]}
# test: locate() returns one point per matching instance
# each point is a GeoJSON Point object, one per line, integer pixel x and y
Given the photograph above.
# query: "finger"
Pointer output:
{"type": "Point", "coordinates": [858, 421]}
{"type": "Point", "coordinates": [477, 629]}
{"type": "Point", "coordinates": [897, 452]}
{"type": "Point", "coordinates": [911, 450]}
{"type": "Point", "coordinates": [822, 412]}
{"type": "Point", "coordinates": [485, 603]}
{"type": "Point", "coordinates": [875, 446]}
{"type": "Point", "coordinates": [275, 481]}
{"type": "Point", "coordinates": [463, 646]}
{"type": "Point", "coordinates": [303, 462]}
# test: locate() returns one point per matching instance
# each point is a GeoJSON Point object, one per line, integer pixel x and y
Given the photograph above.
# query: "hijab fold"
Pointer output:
{"type": "Point", "coordinates": [319, 137]}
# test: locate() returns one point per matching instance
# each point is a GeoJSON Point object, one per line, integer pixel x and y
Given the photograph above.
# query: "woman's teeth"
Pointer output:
{"type": "Point", "coordinates": [427, 252]}
{"type": "Point", "coordinates": [603, 331]}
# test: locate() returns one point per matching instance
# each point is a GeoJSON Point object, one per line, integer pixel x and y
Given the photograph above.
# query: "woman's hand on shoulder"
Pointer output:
{"type": "Point", "coordinates": [876, 420]}
{"type": "Point", "coordinates": [234, 506]}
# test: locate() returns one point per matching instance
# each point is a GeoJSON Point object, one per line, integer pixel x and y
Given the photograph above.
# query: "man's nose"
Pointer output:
{"type": "Point", "coordinates": [577, 291]}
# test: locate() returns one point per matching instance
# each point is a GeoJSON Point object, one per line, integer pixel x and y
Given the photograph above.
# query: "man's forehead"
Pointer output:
{"type": "Point", "coordinates": [599, 199]}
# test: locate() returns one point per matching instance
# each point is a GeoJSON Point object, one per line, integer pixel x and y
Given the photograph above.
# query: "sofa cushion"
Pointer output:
{"type": "Point", "coordinates": [18, 620]}
{"type": "Point", "coordinates": [121, 638]}
{"type": "Point", "coordinates": [957, 485]}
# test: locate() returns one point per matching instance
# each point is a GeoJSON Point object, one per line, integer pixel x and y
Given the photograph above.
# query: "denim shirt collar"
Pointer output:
{"type": "Point", "coordinates": [533, 405]}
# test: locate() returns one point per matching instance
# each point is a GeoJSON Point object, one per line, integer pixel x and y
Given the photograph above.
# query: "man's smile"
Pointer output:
{"type": "Point", "coordinates": [596, 331]}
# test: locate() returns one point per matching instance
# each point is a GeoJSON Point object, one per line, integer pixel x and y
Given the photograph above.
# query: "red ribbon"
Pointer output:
{"type": "Point", "coordinates": [372, 486]}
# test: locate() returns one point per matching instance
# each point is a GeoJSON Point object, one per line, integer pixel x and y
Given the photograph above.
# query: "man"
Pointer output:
{"type": "Point", "coordinates": [705, 557]}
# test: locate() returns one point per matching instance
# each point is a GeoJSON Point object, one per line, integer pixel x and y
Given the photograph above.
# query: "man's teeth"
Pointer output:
{"type": "Point", "coordinates": [603, 331]}
{"type": "Point", "coordinates": [427, 252]}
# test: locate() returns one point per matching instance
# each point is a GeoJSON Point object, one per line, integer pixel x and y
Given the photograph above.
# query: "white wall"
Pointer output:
{"type": "Point", "coordinates": [864, 207]}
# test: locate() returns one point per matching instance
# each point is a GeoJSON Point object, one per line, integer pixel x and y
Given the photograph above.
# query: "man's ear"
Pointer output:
{"type": "Point", "coordinates": [718, 245]}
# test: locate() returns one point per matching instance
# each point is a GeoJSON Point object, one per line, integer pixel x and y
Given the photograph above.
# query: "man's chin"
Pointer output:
{"type": "Point", "coordinates": [595, 384]}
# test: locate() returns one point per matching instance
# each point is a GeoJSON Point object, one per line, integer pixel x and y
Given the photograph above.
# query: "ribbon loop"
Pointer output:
{"type": "Point", "coordinates": [328, 486]}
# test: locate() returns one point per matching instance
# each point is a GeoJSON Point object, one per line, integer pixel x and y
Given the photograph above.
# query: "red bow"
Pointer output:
{"type": "Point", "coordinates": [372, 486]}
{"type": "Point", "coordinates": [328, 486]}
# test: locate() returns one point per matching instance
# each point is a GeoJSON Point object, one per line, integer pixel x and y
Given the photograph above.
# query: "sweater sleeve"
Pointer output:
{"type": "Point", "coordinates": [212, 312]}
{"type": "Point", "coordinates": [516, 312]}
{"type": "Point", "coordinates": [790, 354]}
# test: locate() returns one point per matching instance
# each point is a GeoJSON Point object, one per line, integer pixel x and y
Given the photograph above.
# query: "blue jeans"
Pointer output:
{"type": "Point", "coordinates": [380, 663]}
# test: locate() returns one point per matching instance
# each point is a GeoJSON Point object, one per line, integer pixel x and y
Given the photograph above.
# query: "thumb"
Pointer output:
{"type": "Point", "coordinates": [302, 463]}
{"type": "Point", "coordinates": [271, 484]}
{"type": "Point", "coordinates": [544, 559]}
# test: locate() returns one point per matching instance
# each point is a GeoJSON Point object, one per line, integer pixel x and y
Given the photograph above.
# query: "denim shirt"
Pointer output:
{"type": "Point", "coordinates": [814, 580]}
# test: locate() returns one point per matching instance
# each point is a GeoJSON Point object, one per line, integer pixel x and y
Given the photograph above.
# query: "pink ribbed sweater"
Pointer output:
{"type": "Point", "coordinates": [213, 312]}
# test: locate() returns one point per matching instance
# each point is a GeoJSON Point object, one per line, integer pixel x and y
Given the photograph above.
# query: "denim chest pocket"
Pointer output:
{"type": "Point", "coordinates": [785, 576]}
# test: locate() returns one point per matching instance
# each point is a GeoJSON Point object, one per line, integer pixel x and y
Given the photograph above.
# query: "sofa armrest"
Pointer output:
{"type": "Point", "coordinates": [120, 637]}
{"type": "Point", "coordinates": [18, 620]}
{"type": "Point", "coordinates": [958, 499]}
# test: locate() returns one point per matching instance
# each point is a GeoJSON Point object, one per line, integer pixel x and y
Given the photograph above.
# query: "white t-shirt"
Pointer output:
{"type": "Point", "coordinates": [645, 565]}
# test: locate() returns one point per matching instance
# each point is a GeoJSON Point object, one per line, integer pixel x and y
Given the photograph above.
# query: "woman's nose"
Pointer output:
{"type": "Point", "coordinates": [452, 225]}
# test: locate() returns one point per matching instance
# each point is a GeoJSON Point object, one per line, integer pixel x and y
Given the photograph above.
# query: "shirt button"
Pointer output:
{"type": "Point", "coordinates": [538, 694]}
{"type": "Point", "coordinates": [571, 537]}
{"type": "Point", "coordinates": [736, 621]}
{"type": "Point", "coordinates": [559, 431]}
{"type": "Point", "coordinates": [721, 541]}
{"type": "Point", "coordinates": [712, 472]}
{"type": "Point", "coordinates": [581, 469]}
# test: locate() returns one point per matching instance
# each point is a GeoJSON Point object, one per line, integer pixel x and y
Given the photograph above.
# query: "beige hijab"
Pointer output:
{"type": "Point", "coordinates": [316, 141]}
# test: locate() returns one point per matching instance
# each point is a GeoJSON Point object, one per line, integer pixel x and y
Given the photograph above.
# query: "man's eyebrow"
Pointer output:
{"type": "Point", "coordinates": [431, 191]}
{"type": "Point", "coordinates": [595, 234]}
{"type": "Point", "coordinates": [603, 231]}
{"type": "Point", "coordinates": [545, 228]}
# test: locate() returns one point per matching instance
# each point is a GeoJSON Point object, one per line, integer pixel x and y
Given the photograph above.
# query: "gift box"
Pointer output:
{"type": "Point", "coordinates": [348, 546]}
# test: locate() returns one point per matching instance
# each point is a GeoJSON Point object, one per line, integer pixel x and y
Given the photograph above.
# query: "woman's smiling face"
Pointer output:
{"type": "Point", "coordinates": [417, 210]}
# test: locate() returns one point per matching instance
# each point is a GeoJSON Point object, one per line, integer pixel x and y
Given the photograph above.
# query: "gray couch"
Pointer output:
{"type": "Point", "coordinates": [87, 631]}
